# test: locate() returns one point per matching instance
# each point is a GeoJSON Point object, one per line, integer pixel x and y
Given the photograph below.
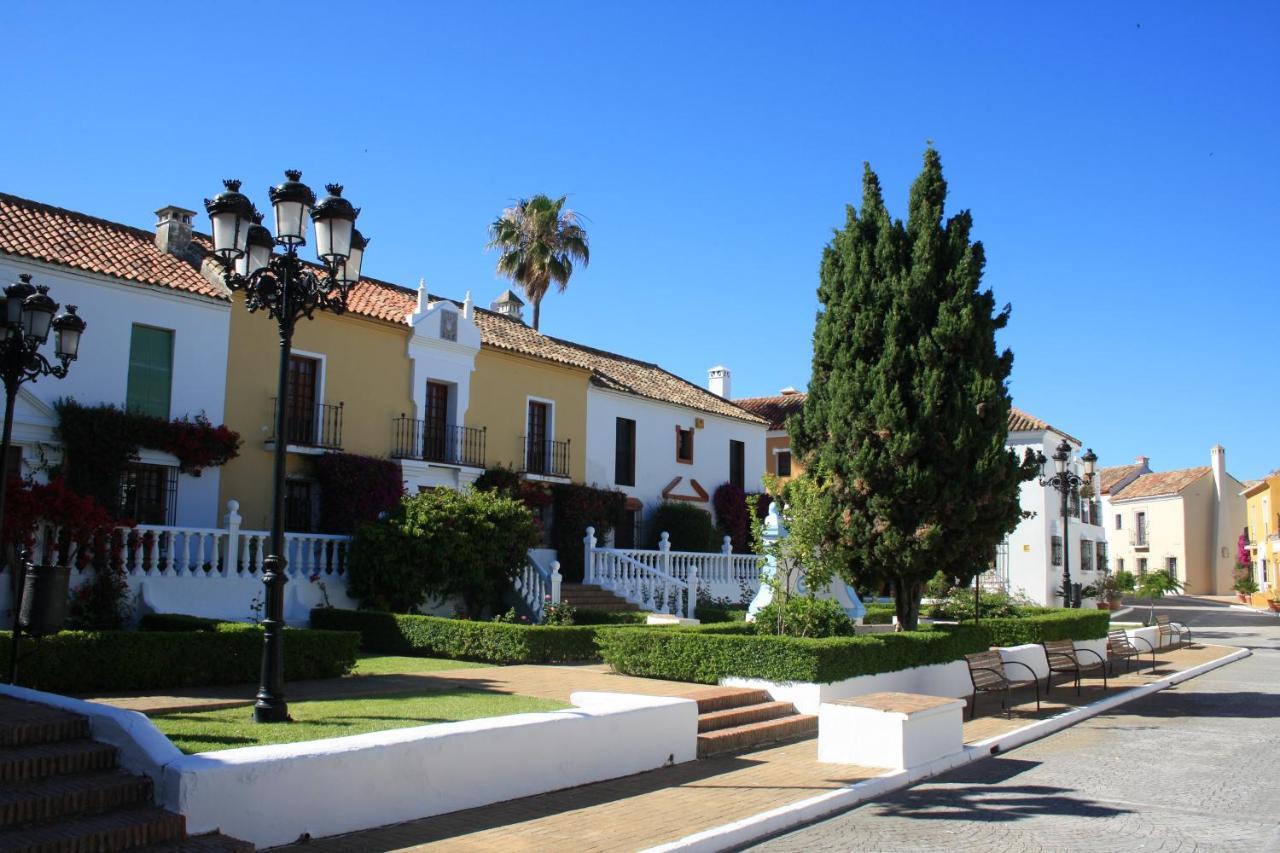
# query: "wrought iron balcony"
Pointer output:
{"type": "Point", "coordinates": [317, 425]}
{"type": "Point", "coordinates": [431, 442]}
{"type": "Point", "coordinates": [1140, 538]}
{"type": "Point", "coordinates": [546, 457]}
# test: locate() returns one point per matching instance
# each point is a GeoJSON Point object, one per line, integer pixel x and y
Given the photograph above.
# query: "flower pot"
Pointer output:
{"type": "Point", "coordinates": [1102, 605]}
{"type": "Point", "coordinates": [44, 599]}
{"type": "Point", "coordinates": [1244, 599]}
{"type": "Point", "coordinates": [1114, 604]}
{"type": "Point", "coordinates": [1274, 605]}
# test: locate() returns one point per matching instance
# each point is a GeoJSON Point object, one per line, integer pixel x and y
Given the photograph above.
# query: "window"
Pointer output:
{"type": "Point", "coordinates": [537, 456]}
{"type": "Point", "coordinates": [300, 414]}
{"type": "Point", "coordinates": [435, 427]}
{"type": "Point", "coordinates": [684, 445]}
{"type": "Point", "coordinates": [148, 493]}
{"type": "Point", "coordinates": [1119, 521]}
{"type": "Point", "coordinates": [1056, 549]}
{"type": "Point", "coordinates": [1119, 564]}
{"type": "Point", "coordinates": [624, 453]}
{"type": "Point", "coordinates": [737, 463]}
{"type": "Point", "coordinates": [1140, 528]}
{"type": "Point", "coordinates": [298, 506]}
{"type": "Point", "coordinates": [150, 371]}
{"type": "Point", "coordinates": [1101, 555]}
{"type": "Point", "coordinates": [782, 463]}
{"type": "Point", "coordinates": [1171, 565]}
{"type": "Point", "coordinates": [15, 460]}
{"type": "Point", "coordinates": [1142, 565]}
{"type": "Point", "coordinates": [1086, 555]}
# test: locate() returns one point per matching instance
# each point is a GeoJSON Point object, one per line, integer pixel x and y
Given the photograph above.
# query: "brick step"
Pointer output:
{"type": "Point", "coordinates": [59, 797]}
{"type": "Point", "coordinates": [606, 606]}
{"type": "Point", "coordinates": [750, 735]}
{"type": "Point", "coordinates": [126, 829]}
{"type": "Point", "coordinates": [55, 759]}
{"type": "Point", "coordinates": [732, 717]}
{"type": "Point", "coordinates": [214, 842]}
{"type": "Point", "coordinates": [27, 724]}
{"type": "Point", "coordinates": [720, 698]}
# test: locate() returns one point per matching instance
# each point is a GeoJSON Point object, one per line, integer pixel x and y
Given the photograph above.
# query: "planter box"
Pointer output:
{"type": "Point", "coordinates": [893, 730]}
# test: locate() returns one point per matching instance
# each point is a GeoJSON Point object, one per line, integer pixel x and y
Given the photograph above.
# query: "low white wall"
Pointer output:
{"type": "Point", "coordinates": [940, 679]}
{"type": "Point", "coordinates": [273, 794]}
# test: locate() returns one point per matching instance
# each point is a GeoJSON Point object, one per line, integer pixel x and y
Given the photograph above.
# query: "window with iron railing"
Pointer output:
{"type": "Point", "coordinates": [431, 441]}
{"type": "Point", "coordinates": [546, 457]}
{"type": "Point", "coordinates": [1055, 549]}
{"type": "Point", "coordinates": [1101, 548]}
{"type": "Point", "coordinates": [1086, 555]}
{"type": "Point", "coordinates": [149, 493]}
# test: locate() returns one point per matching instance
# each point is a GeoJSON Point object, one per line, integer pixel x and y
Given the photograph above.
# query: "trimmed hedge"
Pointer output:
{"type": "Point", "coordinates": [707, 655]}
{"type": "Point", "coordinates": [879, 614]}
{"type": "Point", "coordinates": [491, 642]}
{"type": "Point", "coordinates": [108, 661]}
{"type": "Point", "coordinates": [1047, 624]}
{"type": "Point", "coordinates": [588, 616]}
{"type": "Point", "coordinates": [178, 622]}
{"type": "Point", "coordinates": [710, 613]}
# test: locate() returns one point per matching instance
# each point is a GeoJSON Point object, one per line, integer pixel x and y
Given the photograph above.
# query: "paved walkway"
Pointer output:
{"type": "Point", "coordinates": [1189, 768]}
{"type": "Point", "coordinates": [663, 805]}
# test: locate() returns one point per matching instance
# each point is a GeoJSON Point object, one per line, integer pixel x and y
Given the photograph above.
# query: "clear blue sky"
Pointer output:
{"type": "Point", "coordinates": [1119, 160]}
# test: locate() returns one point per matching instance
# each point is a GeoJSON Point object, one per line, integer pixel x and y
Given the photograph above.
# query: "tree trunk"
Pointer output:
{"type": "Point", "coordinates": [537, 313]}
{"type": "Point", "coordinates": [906, 601]}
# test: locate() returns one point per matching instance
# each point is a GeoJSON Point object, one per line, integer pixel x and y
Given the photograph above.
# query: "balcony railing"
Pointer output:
{"type": "Point", "coordinates": [1140, 538]}
{"type": "Point", "coordinates": [546, 457]}
{"type": "Point", "coordinates": [317, 425]}
{"type": "Point", "coordinates": [452, 445]}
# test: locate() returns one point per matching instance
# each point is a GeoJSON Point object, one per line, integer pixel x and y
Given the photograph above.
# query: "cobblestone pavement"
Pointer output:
{"type": "Point", "coordinates": [1190, 768]}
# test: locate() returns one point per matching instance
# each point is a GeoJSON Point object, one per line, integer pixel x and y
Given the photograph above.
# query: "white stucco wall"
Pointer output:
{"type": "Point", "coordinates": [110, 307]}
{"type": "Point", "coordinates": [656, 464]}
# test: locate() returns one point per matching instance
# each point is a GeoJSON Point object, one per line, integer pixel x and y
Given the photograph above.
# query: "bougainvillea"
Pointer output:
{"type": "Point", "coordinates": [355, 490]}
{"type": "Point", "coordinates": [732, 517]}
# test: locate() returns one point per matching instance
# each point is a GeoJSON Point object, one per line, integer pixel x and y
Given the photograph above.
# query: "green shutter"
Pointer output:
{"type": "Point", "coordinates": [150, 371]}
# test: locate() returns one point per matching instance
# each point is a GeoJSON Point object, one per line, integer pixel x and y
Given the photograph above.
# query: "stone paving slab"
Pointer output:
{"type": "Point", "coordinates": [661, 806]}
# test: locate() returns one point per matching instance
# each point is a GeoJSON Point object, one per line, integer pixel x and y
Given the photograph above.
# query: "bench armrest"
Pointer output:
{"type": "Point", "coordinates": [1034, 677]}
{"type": "Point", "coordinates": [1095, 654]}
{"type": "Point", "coordinates": [1150, 647]}
{"type": "Point", "coordinates": [997, 673]}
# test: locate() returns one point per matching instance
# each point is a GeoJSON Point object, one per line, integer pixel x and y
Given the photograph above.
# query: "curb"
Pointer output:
{"type": "Point", "coordinates": [793, 815]}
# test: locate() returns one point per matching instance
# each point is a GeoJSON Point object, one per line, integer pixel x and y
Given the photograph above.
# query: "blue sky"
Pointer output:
{"type": "Point", "coordinates": [1118, 160]}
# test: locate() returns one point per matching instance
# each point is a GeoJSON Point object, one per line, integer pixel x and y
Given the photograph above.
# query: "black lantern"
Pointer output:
{"type": "Point", "coordinates": [68, 327]}
{"type": "Point", "coordinates": [258, 249]}
{"type": "Point", "coordinates": [37, 314]}
{"type": "Point", "coordinates": [292, 202]}
{"type": "Point", "coordinates": [349, 272]}
{"type": "Point", "coordinates": [335, 219]}
{"type": "Point", "coordinates": [14, 295]}
{"type": "Point", "coordinates": [232, 214]}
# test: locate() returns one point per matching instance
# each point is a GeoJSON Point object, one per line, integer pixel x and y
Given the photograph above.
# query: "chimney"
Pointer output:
{"type": "Point", "coordinates": [788, 391]}
{"type": "Point", "coordinates": [1218, 460]}
{"type": "Point", "coordinates": [1143, 461]}
{"type": "Point", "coordinates": [719, 381]}
{"type": "Point", "coordinates": [173, 230]}
{"type": "Point", "coordinates": [509, 305]}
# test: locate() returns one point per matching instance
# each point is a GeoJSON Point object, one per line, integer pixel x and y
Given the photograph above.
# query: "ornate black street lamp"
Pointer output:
{"type": "Point", "coordinates": [288, 290]}
{"type": "Point", "coordinates": [1066, 482]}
{"type": "Point", "coordinates": [24, 328]}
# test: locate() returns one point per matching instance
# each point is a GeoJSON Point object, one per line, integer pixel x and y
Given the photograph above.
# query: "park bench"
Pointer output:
{"type": "Point", "coordinates": [988, 674]}
{"type": "Point", "coordinates": [1120, 647]}
{"type": "Point", "coordinates": [1063, 656]}
{"type": "Point", "coordinates": [1170, 631]}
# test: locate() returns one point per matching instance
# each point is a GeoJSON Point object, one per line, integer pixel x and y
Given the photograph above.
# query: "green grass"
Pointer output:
{"type": "Point", "coordinates": [399, 664]}
{"type": "Point", "coordinates": [206, 731]}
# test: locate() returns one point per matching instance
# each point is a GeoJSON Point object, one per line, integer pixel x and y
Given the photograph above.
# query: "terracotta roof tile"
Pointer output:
{"type": "Point", "coordinates": [42, 232]}
{"type": "Point", "coordinates": [1109, 477]}
{"type": "Point", "coordinates": [1161, 484]}
{"type": "Point", "coordinates": [774, 409]}
{"type": "Point", "coordinates": [1020, 421]}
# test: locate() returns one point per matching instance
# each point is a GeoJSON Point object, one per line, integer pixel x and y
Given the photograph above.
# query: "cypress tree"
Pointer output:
{"type": "Point", "coordinates": [905, 425]}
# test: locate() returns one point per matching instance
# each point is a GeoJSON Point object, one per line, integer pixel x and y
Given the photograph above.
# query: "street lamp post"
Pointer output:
{"type": "Point", "coordinates": [1065, 482]}
{"type": "Point", "coordinates": [24, 327]}
{"type": "Point", "coordinates": [288, 290]}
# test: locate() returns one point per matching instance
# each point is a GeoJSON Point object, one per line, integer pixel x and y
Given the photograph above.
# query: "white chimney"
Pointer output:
{"type": "Point", "coordinates": [719, 381]}
{"type": "Point", "coordinates": [1218, 460]}
{"type": "Point", "coordinates": [173, 230]}
{"type": "Point", "coordinates": [788, 391]}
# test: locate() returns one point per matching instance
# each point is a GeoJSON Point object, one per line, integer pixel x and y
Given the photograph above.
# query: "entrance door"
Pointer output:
{"type": "Point", "coordinates": [300, 414]}
{"type": "Point", "coordinates": [435, 428]}
{"type": "Point", "coordinates": [536, 448]}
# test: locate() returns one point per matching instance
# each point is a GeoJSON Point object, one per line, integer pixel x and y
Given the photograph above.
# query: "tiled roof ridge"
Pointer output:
{"type": "Point", "coordinates": [1172, 481]}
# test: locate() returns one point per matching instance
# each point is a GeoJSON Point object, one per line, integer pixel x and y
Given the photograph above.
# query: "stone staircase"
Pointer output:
{"type": "Point", "coordinates": [61, 792]}
{"type": "Point", "coordinates": [589, 596]}
{"type": "Point", "coordinates": [732, 719]}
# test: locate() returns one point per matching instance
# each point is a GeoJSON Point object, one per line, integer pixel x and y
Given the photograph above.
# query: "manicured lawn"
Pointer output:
{"type": "Point", "coordinates": [397, 665]}
{"type": "Point", "coordinates": [205, 731]}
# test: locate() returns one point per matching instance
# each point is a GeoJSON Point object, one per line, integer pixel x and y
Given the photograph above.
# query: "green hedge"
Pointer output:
{"type": "Point", "coordinates": [178, 622]}
{"type": "Point", "coordinates": [432, 636]}
{"type": "Point", "coordinates": [108, 661]}
{"type": "Point", "coordinates": [706, 655]}
{"type": "Point", "coordinates": [711, 613]}
{"type": "Point", "coordinates": [587, 616]}
{"type": "Point", "coordinates": [1046, 624]}
{"type": "Point", "coordinates": [879, 614]}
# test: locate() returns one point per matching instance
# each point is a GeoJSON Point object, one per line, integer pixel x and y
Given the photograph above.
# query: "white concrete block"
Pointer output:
{"type": "Point", "coordinates": [894, 730]}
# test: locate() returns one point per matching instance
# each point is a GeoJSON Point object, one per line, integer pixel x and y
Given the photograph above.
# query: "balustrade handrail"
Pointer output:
{"type": "Point", "coordinates": [452, 444]}
{"type": "Point", "coordinates": [546, 457]}
{"type": "Point", "coordinates": [317, 425]}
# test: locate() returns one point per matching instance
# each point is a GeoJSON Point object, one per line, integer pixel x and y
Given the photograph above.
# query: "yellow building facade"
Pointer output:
{"type": "Point", "coordinates": [1262, 507]}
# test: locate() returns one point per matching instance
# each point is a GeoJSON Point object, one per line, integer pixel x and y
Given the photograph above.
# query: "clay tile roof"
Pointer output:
{"type": "Point", "coordinates": [1161, 484]}
{"type": "Point", "coordinates": [1020, 421]}
{"type": "Point", "coordinates": [608, 370]}
{"type": "Point", "coordinates": [382, 300]}
{"type": "Point", "coordinates": [42, 232]}
{"type": "Point", "coordinates": [775, 409]}
{"type": "Point", "coordinates": [1108, 477]}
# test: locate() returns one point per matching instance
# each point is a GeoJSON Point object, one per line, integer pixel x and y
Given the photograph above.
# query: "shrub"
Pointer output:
{"type": "Point", "coordinates": [879, 614]}
{"type": "Point", "coordinates": [442, 543]}
{"type": "Point", "coordinates": [177, 622]}
{"type": "Point", "coordinates": [583, 616]}
{"type": "Point", "coordinates": [577, 507]}
{"type": "Point", "coordinates": [99, 661]}
{"type": "Point", "coordinates": [355, 490]}
{"type": "Point", "coordinates": [803, 616]}
{"type": "Point", "coordinates": [733, 519]}
{"type": "Point", "coordinates": [689, 528]}
{"type": "Point", "coordinates": [709, 655]}
{"type": "Point", "coordinates": [1038, 627]}
{"type": "Point", "coordinates": [957, 604]}
{"type": "Point", "coordinates": [492, 642]}
{"type": "Point", "coordinates": [712, 614]}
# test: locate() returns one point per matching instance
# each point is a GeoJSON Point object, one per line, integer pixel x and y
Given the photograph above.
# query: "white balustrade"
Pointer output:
{"type": "Point", "coordinates": [538, 586]}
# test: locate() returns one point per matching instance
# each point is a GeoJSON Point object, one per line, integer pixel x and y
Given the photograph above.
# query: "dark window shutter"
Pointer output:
{"type": "Point", "coordinates": [624, 459]}
{"type": "Point", "coordinates": [737, 463]}
{"type": "Point", "coordinates": [150, 379]}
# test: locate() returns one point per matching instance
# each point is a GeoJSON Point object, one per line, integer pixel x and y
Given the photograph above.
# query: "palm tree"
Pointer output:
{"type": "Point", "coordinates": [540, 240]}
{"type": "Point", "coordinates": [1155, 585]}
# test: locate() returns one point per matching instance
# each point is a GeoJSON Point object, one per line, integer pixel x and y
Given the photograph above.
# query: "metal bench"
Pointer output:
{"type": "Point", "coordinates": [988, 674]}
{"type": "Point", "coordinates": [1172, 630]}
{"type": "Point", "coordinates": [1119, 647]}
{"type": "Point", "coordinates": [1063, 656]}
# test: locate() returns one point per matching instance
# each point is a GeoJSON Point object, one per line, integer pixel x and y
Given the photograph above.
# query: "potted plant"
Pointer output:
{"type": "Point", "coordinates": [1155, 585]}
{"type": "Point", "coordinates": [1117, 584]}
{"type": "Point", "coordinates": [1245, 586]}
{"type": "Point", "coordinates": [1094, 591]}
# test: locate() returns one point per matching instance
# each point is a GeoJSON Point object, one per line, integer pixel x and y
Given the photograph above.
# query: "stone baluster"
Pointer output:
{"type": "Point", "coordinates": [231, 553]}
{"type": "Point", "coordinates": [555, 581]}
{"type": "Point", "coordinates": [588, 554]}
{"type": "Point", "coordinates": [691, 593]}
